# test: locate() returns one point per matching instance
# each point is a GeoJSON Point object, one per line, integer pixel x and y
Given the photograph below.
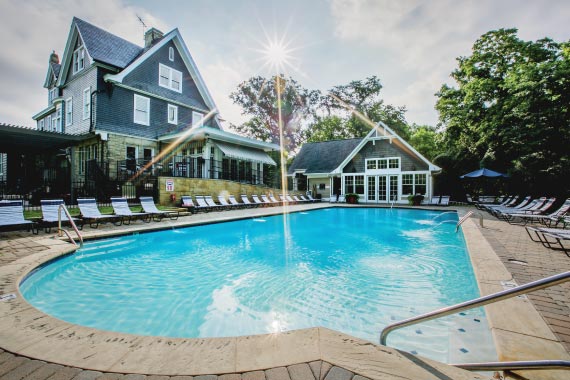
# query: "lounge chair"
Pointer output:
{"type": "Point", "coordinates": [272, 198]}
{"type": "Point", "coordinates": [303, 199]}
{"type": "Point", "coordinates": [508, 203]}
{"type": "Point", "coordinates": [548, 220]}
{"type": "Point", "coordinates": [444, 201]}
{"type": "Point", "coordinates": [530, 208]}
{"type": "Point", "coordinates": [121, 207]}
{"type": "Point", "coordinates": [90, 213]}
{"type": "Point", "coordinates": [50, 214]}
{"type": "Point", "coordinates": [550, 237]}
{"type": "Point", "coordinates": [202, 204]}
{"type": "Point", "coordinates": [537, 209]}
{"type": "Point", "coordinates": [289, 198]}
{"type": "Point", "coordinates": [149, 207]}
{"type": "Point", "coordinates": [256, 200]}
{"type": "Point", "coordinates": [312, 199]}
{"type": "Point", "coordinates": [12, 217]}
{"type": "Point", "coordinates": [434, 201]}
{"type": "Point", "coordinates": [210, 202]}
{"type": "Point", "coordinates": [496, 210]}
{"type": "Point", "coordinates": [234, 202]}
{"type": "Point", "coordinates": [224, 203]}
{"type": "Point", "coordinates": [265, 199]}
{"type": "Point", "coordinates": [297, 199]}
{"type": "Point", "coordinates": [187, 202]}
{"type": "Point", "coordinates": [245, 201]}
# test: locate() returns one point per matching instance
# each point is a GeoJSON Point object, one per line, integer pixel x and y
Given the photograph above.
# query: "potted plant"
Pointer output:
{"type": "Point", "coordinates": [352, 198]}
{"type": "Point", "coordinates": [415, 200]}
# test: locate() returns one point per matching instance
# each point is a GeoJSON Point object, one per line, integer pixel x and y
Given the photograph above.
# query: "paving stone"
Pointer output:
{"type": "Point", "coordinates": [300, 372]}
{"type": "Point", "coordinates": [204, 377]}
{"type": "Point", "coordinates": [135, 376]}
{"type": "Point", "coordinates": [338, 373]}
{"type": "Point", "coordinates": [358, 377]}
{"type": "Point", "coordinates": [231, 376]}
{"type": "Point", "coordinates": [65, 373]}
{"type": "Point", "coordinates": [254, 375]}
{"type": "Point", "coordinates": [156, 377]}
{"type": "Point", "coordinates": [88, 375]}
{"type": "Point", "coordinates": [111, 376]}
{"type": "Point", "coordinates": [316, 368]}
{"type": "Point", "coordinates": [44, 372]}
{"type": "Point", "coordinates": [12, 363]}
{"type": "Point", "coordinates": [23, 370]}
{"type": "Point", "coordinates": [5, 356]}
{"type": "Point", "coordinates": [325, 368]}
{"type": "Point", "coordinates": [279, 373]}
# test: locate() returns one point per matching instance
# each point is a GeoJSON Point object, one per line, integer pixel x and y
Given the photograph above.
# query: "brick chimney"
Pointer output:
{"type": "Point", "coordinates": [151, 37]}
{"type": "Point", "coordinates": [53, 58]}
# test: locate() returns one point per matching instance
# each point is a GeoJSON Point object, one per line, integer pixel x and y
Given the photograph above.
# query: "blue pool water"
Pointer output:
{"type": "Point", "coordinates": [352, 270]}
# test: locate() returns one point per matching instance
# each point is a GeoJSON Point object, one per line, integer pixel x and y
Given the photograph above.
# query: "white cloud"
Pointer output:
{"type": "Point", "coordinates": [423, 38]}
{"type": "Point", "coordinates": [32, 29]}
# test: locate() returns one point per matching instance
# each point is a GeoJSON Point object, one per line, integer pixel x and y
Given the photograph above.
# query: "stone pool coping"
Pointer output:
{"type": "Point", "coordinates": [26, 331]}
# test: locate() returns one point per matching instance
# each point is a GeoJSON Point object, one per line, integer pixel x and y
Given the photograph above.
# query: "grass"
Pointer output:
{"type": "Point", "coordinates": [36, 214]}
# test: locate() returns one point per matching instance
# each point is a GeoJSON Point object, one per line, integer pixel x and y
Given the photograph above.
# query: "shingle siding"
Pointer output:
{"type": "Point", "coordinates": [74, 89]}
{"type": "Point", "coordinates": [145, 78]}
{"type": "Point", "coordinates": [382, 149]}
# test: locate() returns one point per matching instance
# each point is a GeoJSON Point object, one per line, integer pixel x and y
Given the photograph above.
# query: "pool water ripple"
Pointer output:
{"type": "Point", "coordinates": [353, 270]}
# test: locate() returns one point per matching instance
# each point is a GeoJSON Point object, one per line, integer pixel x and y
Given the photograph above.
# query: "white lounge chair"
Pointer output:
{"type": "Point", "coordinates": [90, 213]}
{"type": "Point", "coordinates": [50, 214]}
{"type": "Point", "coordinates": [257, 200]}
{"type": "Point", "coordinates": [245, 200]}
{"type": "Point", "coordinates": [148, 206]}
{"type": "Point", "coordinates": [121, 207]}
{"type": "Point", "coordinates": [187, 202]}
{"type": "Point", "coordinates": [12, 216]}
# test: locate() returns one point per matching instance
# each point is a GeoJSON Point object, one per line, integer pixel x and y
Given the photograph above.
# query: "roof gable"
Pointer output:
{"type": "Point", "coordinates": [180, 45]}
{"type": "Point", "coordinates": [52, 74]}
{"type": "Point", "coordinates": [100, 45]}
{"type": "Point", "coordinates": [323, 157]}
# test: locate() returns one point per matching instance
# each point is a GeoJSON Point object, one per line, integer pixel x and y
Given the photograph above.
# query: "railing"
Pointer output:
{"type": "Point", "coordinates": [481, 301]}
{"type": "Point", "coordinates": [61, 230]}
{"type": "Point", "coordinates": [465, 217]}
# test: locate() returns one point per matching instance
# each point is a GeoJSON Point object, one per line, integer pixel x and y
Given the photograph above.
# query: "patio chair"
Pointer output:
{"type": "Point", "coordinates": [310, 197]}
{"type": "Point", "coordinates": [297, 199]}
{"type": "Point", "coordinates": [188, 203]}
{"type": "Point", "coordinates": [552, 238]}
{"type": "Point", "coordinates": [234, 202]}
{"type": "Point", "coordinates": [548, 220]}
{"type": "Point", "coordinates": [213, 205]}
{"type": "Point", "coordinates": [50, 214]}
{"type": "Point", "coordinates": [265, 199]}
{"type": "Point", "coordinates": [224, 203]}
{"type": "Point", "coordinates": [525, 201]}
{"type": "Point", "coordinates": [283, 199]}
{"type": "Point", "coordinates": [530, 208]}
{"type": "Point", "coordinates": [245, 201]}
{"type": "Point", "coordinates": [256, 200]}
{"type": "Point", "coordinates": [434, 201]}
{"type": "Point", "coordinates": [90, 213]}
{"type": "Point", "coordinates": [202, 204]}
{"type": "Point", "coordinates": [149, 207]}
{"type": "Point", "coordinates": [122, 209]}
{"type": "Point", "coordinates": [341, 199]}
{"type": "Point", "coordinates": [539, 208]}
{"type": "Point", "coordinates": [444, 200]}
{"type": "Point", "coordinates": [12, 217]}
{"type": "Point", "coordinates": [303, 199]}
{"type": "Point", "coordinates": [272, 198]}
{"type": "Point", "coordinates": [510, 201]}
{"type": "Point", "coordinates": [289, 198]}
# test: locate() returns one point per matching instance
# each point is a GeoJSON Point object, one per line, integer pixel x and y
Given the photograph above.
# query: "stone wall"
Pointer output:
{"type": "Point", "coordinates": [213, 187]}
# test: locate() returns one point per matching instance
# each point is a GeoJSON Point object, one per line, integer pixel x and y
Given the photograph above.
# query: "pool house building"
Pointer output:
{"type": "Point", "coordinates": [381, 168]}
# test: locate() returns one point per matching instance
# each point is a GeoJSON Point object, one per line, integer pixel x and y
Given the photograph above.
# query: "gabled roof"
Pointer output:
{"type": "Point", "coordinates": [52, 74]}
{"type": "Point", "coordinates": [178, 41]}
{"type": "Point", "coordinates": [105, 47]}
{"type": "Point", "coordinates": [323, 157]}
{"type": "Point", "coordinates": [101, 46]}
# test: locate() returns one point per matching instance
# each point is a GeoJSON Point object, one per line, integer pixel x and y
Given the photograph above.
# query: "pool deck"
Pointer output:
{"type": "Point", "coordinates": [36, 346]}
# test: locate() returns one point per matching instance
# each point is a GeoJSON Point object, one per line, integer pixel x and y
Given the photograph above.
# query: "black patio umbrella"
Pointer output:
{"type": "Point", "coordinates": [484, 173]}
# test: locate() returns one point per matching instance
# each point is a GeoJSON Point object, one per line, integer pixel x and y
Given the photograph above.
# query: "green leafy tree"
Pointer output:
{"type": "Point", "coordinates": [426, 140]}
{"type": "Point", "coordinates": [510, 110]}
{"type": "Point", "coordinates": [327, 128]}
{"type": "Point", "coordinates": [258, 99]}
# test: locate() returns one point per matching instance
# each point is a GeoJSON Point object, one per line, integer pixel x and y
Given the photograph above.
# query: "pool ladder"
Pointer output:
{"type": "Point", "coordinates": [61, 231]}
{"type": "Point", "coordinates": [486, 300]}
{"type": "Point", "coordinates": [465, 217]}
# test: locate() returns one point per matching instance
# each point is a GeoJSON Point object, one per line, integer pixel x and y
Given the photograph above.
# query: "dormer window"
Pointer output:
{"type": "Point", "coordinates": [78, 59]}
{"type": "Point", "coordinates": [169, 78]}
{"type": "Point", "coordinates": [52, 94]}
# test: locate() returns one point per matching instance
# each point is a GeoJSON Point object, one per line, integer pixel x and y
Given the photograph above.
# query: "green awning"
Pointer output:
{"type": "Point", "coordinates": [243, 153]}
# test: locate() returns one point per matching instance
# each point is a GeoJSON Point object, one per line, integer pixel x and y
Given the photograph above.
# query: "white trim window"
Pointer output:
{"type": "Point", "coordinates": [354, 184]}
{"type": "Point", "coordinates": [141, 110]}
{"type": "Point", "coordinates": [414, 183]}
{"type": "Point", "coordinates": [48, 123]}
{"type": "Point", "coordinates": [56, 121]}
{"type": "Point", "coordinates": [86, 103]}
{"type": "Point", "coordinates": [171, 54]}
{"type": "Point", "coordinates": [52, 94]}
{"type": "Point", "coordinates": [78, 59]}
{"type": "Point", "coordinates": [41, 124]}
{"type": "Point", "coordinates": [172, 114]}
{"type": "Point", "coordinates": [68, 112]}
{"type": "Point", "coordinates": [383, 163]}
{"type": "Point", "coordinates": [197, 118]}
{"type": "Point", "coordinates": [169, 78]}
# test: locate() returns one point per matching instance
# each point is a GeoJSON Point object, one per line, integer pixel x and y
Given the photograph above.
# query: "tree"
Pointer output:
{"type": "Point", "coordinates": [258, 98]}
{"type": "Point", "coordinates": [426, 140]}
{"type": "Point", "coordinates": [510, 109]}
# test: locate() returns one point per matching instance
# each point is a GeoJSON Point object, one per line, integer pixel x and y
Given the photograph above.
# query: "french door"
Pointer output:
{"type": "Point", "coordinates": [382, 188]}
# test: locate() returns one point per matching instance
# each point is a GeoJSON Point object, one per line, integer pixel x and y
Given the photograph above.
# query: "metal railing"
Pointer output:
{"type": "Point", "coordinates": [465, 217]}
{"type": "Point", "coordinates": [61, 230]}
{"type": "Point", "coordinates": [481, 301]}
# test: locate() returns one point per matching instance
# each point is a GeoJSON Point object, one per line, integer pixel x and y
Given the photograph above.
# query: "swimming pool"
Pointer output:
{"type": "Point", "coordinates": [353, 270]}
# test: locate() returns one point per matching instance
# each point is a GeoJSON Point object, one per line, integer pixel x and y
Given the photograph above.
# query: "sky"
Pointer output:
{"type": "Point", "coordinates": [410, 45]}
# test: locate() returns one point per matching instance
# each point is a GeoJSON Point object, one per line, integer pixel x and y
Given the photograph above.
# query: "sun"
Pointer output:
{"type": "Point", "coordinates": [277, 54]}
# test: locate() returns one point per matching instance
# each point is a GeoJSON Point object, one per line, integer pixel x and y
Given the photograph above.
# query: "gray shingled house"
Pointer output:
{"type": "Point", "coordinates": [381, 167]}
{"type": "Point", "coordinates": [142, 110]}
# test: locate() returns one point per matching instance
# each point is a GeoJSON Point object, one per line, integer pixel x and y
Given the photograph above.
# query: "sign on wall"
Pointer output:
{"type": "Point", "coordinates": [169, 185]}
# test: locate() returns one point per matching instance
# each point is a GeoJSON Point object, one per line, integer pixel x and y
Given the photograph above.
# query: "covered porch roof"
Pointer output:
{"type": "Point", "coordinates": [15, 138]}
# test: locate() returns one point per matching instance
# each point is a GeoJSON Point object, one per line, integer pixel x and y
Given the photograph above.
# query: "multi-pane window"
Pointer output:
{"type": "Point", "coordinates": [382, 163]}
{"type": "Point", "coordinates": [414, 184]}
{"type": "Point", "coordinates": [169, 78]}
{"type": "Point", "coordinates": [56, 121]}
{"type": "Point", "coordinates": [52, 94]}
{"type": "Point", "coordinates": [354, 184]}
{"type": "Point", "coordinates": [141, 110]}
{"type": "Point", "coordinates": [172, 114]}
{"type": "Point", "coordinates": [86, 103]}
{"type": "Point", "coordinates": [197, 118]}
{"type": "Point", "coordinates": [78, 59]}
{"type": "Point", "coordinates": [68, 112]}
{"type": "Point", "coordinates": [41, 124]}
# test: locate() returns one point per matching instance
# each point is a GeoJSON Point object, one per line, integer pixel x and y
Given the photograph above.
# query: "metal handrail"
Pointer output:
{"type": "Point", "coordinates": [465, 217]}
{"type": "Point", "coordinates": [516, 366]}
{"type": "Point", "coordinates": [61, 230]}
{"type": "Point", "coordinates": [481, 301]}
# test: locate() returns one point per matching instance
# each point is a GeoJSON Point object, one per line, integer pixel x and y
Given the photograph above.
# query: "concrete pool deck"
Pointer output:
{"type": "Point", "coordinates": [520, 331]}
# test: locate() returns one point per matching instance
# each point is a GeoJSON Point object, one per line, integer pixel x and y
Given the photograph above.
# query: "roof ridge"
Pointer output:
{"type": "Point", "coordinates": [75, 19]}
{"type": "Point", "coordinates": [334, 140]}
